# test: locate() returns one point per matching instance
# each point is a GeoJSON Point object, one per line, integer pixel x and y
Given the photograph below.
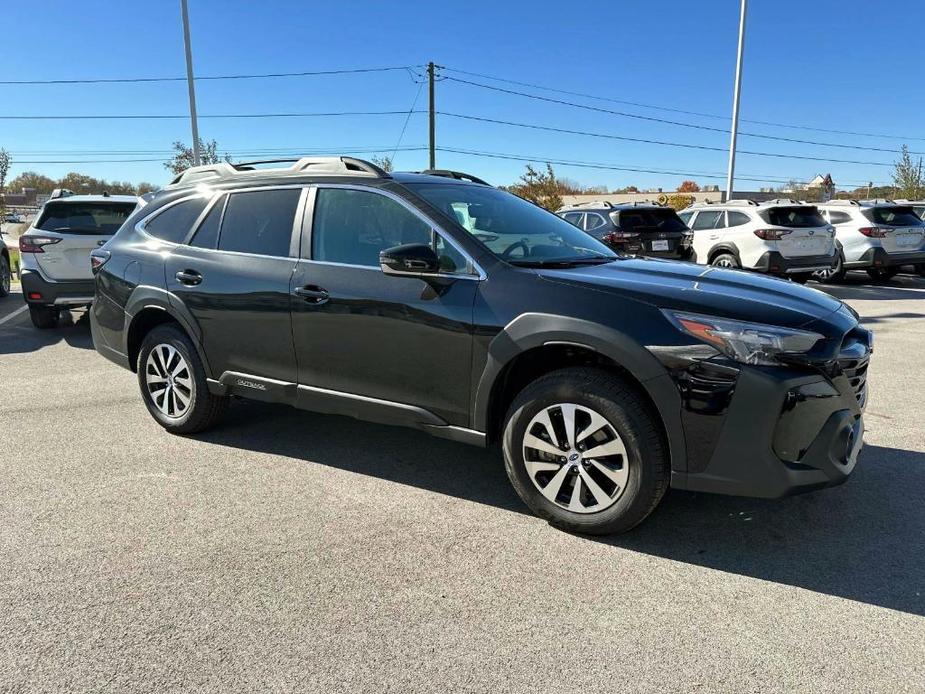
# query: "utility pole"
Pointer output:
{"type": "Point", "coordinates": [189, 83]}
{"type": "Point", "coordinates": [432, 116]}
{"type": "Point", "coordinates": [735, 101]}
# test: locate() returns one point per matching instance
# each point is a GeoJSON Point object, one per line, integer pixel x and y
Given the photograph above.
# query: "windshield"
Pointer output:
{"type": "Point", "coordinates": [893, 216]}
{"type": "Point", "coordinates": [651, 220]}
{"type": "Point", "coordinates": [797, 217]}
{"type": "Point", "coordinates": [84, 217]}
{"type": "Point", "coordinates": [512, 228]}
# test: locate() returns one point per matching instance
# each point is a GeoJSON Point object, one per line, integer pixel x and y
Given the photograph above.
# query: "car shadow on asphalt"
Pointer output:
{"type": "Point", "coordinates": [861, 541]}
{"type": "Point", "coordinates": [859, 287]}
{"type": "Point", "coordinates": [19, 336]}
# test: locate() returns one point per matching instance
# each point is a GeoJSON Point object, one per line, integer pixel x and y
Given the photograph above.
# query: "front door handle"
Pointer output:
{"type": "Point", "coordinates": [312, 294]}
{"type": "Point", "coordinates": [189, 277]}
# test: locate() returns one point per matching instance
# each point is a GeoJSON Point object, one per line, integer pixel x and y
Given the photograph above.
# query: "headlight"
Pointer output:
{"type": "Point", "coordinates": [748, 343]}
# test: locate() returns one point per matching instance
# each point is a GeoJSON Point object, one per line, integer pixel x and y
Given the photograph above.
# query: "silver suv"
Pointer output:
{"type": "Point", "coordinates": [878, 236]}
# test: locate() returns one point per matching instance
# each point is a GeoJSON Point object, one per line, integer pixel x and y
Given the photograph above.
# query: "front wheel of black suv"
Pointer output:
{"type": "Point", "coordinates": [584, 452]}
{"type": "Point", "coordinates": [882, 274]}
{"type": "Point", "coordinates": [173, 383]}
{"type": "Point", "coordinates": [43, 317]}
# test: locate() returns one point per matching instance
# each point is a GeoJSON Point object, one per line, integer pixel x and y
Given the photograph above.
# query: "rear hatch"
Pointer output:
{"type": "Point", "coordinates": [905, 232]}
{"type": "Point", "coordinates": [82, 227]}
{"type": "Point", "coordinates": [809, 232]}
{"type": "Point", "coordinates": [661, 231]}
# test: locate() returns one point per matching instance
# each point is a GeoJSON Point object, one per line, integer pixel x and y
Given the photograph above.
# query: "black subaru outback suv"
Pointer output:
{"type": "Point", "coordinates": [438, 302]}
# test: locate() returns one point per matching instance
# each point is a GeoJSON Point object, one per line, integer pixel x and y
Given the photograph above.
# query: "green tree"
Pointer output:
{"type": "Point", "coordinates": [539, 188]}
{"type": "Point", "coordinates": [5, 161]}
{"type": "Point", "coordinates": [183, 156]}
{"type": "Point", "coordinates": [31, 179]}
{"type": "Point", "coordinates": [908, 177]}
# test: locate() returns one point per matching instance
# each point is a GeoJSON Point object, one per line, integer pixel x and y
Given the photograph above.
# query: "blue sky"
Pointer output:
{"type": "Point", "coordinates": [835, 65]}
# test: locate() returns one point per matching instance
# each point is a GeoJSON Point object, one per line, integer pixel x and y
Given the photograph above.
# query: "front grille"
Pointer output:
{"type": "Point", "coordinates": [853, 360]}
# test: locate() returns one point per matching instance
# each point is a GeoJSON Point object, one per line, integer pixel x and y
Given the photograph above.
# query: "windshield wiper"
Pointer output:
{"type": "Point", "coordinates": [564, 262]}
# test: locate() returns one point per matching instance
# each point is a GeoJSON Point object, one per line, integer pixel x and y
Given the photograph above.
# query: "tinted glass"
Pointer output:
{"type": "Point", "coordinates": [706, 220]}
{"type": "Point", "coordinates": [920, 211]}
{"type": "Point", "coordinates": [893, 216]}
{"type": "Point", "coordinates": [573, 218]}
{"type": "Point", "coordinates": [686, 217]}
{"type": "Point", "coordinates": [836, 217]}
{"type": "Point", "coordinates": [174, 223]}
{"type": "Point", "coordinates": [737, 219]}
{"type": "Point", "coordinates": [509, 226]}
{"type": "Point", "coordinates": [84, 217]}
{"type": "Point", "coordinates": [259, 222]}
{"type": "Point", "coordinates": [593, 221]}
{"type": "Point", "coordinates": [352, 226]}
{"type": "Point", "coordinates": [206, 235]}
{"type": "Point", "coordinates": [797, 217]}
{"type": "Point", "coordinates": [651, 220]}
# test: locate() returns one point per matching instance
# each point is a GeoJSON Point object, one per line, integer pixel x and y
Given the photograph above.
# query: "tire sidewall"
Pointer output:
{"type": "Point", "coordinates": [6, 276]}
{"type": "Point", "coordinates": [634, 503]}
{"type": "Point", "coordinates": [735, 263]}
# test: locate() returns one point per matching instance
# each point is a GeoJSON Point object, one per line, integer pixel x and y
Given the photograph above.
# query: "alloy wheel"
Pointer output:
{"type": "Point", "coordinates": [575, 458]}
{"type": "Point", "coordinates": [5, 278]}
{"type": "Point", "coordinates": [169, 381]}
{"type": "Point", "coordinates": [724, 261]}
{"type": "Point", "coordinates": [828, 273]}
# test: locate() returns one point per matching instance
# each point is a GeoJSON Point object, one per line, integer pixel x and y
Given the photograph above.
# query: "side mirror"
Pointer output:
{"type": "Point", "coordinates": [409, 259]}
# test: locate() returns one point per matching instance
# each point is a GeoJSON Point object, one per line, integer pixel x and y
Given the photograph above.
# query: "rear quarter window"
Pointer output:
{"type": "Point", "coordinates": [175, 222]}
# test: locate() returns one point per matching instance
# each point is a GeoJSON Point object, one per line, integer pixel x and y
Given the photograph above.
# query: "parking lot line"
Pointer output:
{"type": "Point", "coordinates": [15, 313]}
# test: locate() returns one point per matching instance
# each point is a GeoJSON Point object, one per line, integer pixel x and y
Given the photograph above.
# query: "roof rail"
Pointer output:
{"type": "Point", "coordinates": [741, 202]}
{"type": "Point", "coordinates": [878, 201]}
{"type": "Point", "coordinates": [321, 165]}
{"type": "Point", "coordinates": [458, 175]}
{"type": "Point", "coordinates": [60, 193]}
{"type": "Point", "coordinates": [842, 203]}
{"type": "Point", "coordinates": [785, 201]}
{"type": "Point", "coordinates": [592, 203]}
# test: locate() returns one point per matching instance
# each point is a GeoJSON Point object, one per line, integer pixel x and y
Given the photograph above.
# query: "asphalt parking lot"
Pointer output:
{"type": "Point", "coordinates": [287, 550]}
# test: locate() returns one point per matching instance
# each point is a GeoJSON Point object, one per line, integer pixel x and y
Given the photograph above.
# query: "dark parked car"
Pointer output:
{"type": "Point", "coordinates": [439, 303]}
{"type": "Point", "coordinates": [634, 228]}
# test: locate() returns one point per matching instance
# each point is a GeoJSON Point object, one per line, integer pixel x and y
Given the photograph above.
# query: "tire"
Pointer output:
{"type": "Point", "coordinates": [882, 274]}
{"type": "Point", "coordinates": [727, 260]}
{"type": "Point", "coordinates": [801, 277]}
{"type": "Point", "coordinates": [835, 275]}
{"type": "Point", "coordinates": [43, 317]}
{"type": "Point", "coordinates": [6, 276]}
{"type": "Point", "coordinates": [643, 466]}
{"type": "Point", "coordinates": [170, 346]}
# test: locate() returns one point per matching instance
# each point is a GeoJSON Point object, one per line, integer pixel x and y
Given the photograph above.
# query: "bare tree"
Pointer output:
{"type": "Point", "coordinates": [183, 156]}
{"type": "Point", "coordinates": [383, 162]}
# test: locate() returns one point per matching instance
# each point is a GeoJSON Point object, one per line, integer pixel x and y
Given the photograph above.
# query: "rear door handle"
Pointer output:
{"type": "Point", "coordinates": [312, 294]}
{"type": "Point", "coordinates": [189, 277]}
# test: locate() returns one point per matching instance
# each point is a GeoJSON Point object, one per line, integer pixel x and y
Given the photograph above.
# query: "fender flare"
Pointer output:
{"type": "Point", "coordinates": [727, 247]}
{"type": "Point", "coordinates": [147, 297]}
{"type": "Point", "coordinates": [531, 330]}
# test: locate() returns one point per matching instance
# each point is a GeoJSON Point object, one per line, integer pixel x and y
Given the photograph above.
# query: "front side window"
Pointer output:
{"type": "Point", "coordinates": [353, 226]}
{"type": "Point", "coordinates": [512, 228]}
{"type": "Point", "coordinates": [259, 222]}
{"type": "Point", "coordinates": [706, 219]}
{"type": "Point", "coordinates": [174, 223]}
{"type": "Point", "coordinates": [84, 217]}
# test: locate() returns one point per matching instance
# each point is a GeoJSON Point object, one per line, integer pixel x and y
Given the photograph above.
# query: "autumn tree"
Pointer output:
{"type": "Point", "coordinates": [908, 177]}
{"type": "Point", "coordinates": [183, 156]}
{"type": "Point", "coordinates": [688, 187]}
{"type": "Point", "coordinates": [539, 187]}
{"type": "Point", "coordinates": [680, 202]}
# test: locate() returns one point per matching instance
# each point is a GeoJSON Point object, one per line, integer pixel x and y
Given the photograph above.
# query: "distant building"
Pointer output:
{"type": "Point", "coordinates": [26, 198]}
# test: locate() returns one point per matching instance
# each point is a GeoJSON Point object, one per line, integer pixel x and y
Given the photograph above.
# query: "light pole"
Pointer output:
{"type": "Point", "coordinates": [189, 83]}
{"type": "Point", "coordinates": [735, 101]}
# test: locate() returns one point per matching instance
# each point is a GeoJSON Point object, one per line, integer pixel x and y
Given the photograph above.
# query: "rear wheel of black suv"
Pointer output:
{"type": "Point", "coordinates": [6, 276]}
{"type": "Point", "coordinates": [44, 317]}
{"type": "Point", "coordinates": [584, 452]}
{"type": "Point", "coordinates": [173, 383]}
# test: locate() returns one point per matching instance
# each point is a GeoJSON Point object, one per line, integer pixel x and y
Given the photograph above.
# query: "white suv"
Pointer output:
{"type": "Point", "coordinates": [54, 252]}
{"type": "Point", "coordinates": [780, 237]}
{"type": "Point", "coordinates": [874, 235]}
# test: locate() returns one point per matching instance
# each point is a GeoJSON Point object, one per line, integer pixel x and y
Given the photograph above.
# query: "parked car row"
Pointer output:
{"type": "Point", "coordinates": [780, 237]}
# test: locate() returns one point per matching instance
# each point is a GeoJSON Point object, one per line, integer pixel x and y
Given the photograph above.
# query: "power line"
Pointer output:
{"type": "Point", "coordinates": [139, 80]}
{"type": "Point", "coordinates": [682, 111]}
{"type": "Point", "coordinates": [614, 167]}
{"type": "Point", "coordinates": [214, 115]}
{"type": "Point", "coordinates": [666, 121]}
{"type": "Point", "coordinates": [665, 143]}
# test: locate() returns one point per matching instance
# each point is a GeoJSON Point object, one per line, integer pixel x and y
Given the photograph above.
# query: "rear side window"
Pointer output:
{"type": "Point", "coordinates": [893, 216]}
{"type": "Point", "coordinates": [651, 220]}
{"type": "Point", "coordinates": [259, 222]}
{"type": "Point", "coordinates": [737, 219]}
{"type": "Point", "coordinates": [573, 218]}
{"type": "Point", "coordinates": [174, 223]}
{"type": "Point", "coordinates": [796, 217]}
{"type": "Point", "coordinates": [593, 221]}
{"type": "Point", "coordinates": [84, 217]}
{"type": "Point", "coordinates": [836, 217]}
{"type": "Point", "coordinates": [706, 220]}
{"type": "Point", "coordinates": [207, 234]}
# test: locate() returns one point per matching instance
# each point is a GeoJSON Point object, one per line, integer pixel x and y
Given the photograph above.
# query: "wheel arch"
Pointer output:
{"type": "Point", "coordinates": [535, 344]}
{"type": "Point", "coordinates": [725, 247]}
{"type": "Point", "coordinates": [149, 307]}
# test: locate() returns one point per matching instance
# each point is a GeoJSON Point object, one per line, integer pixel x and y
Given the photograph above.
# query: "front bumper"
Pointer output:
{"type": "Point", "coordinates": [774, 263]}
{"type": "Point", "coordinates": [71, 293]}
{"type": "Point", "coordinates": [782, 432]}
{"type": "Point", "coordinates": [878, 257]}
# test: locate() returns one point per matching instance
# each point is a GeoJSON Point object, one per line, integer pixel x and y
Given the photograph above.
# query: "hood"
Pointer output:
{"type": "Point", "coordinates": [714, 291]}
